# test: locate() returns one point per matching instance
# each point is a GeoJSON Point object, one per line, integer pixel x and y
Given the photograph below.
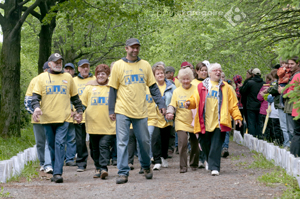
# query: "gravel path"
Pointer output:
{"type": "Point", "coordinates": [235, 181]}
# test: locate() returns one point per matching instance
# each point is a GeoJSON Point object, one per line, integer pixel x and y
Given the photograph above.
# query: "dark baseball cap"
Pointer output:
{"type": "Point", "coordinates": [132, 41]}
{"type": "Point", "coordinates": [70, 65]}
{"type": "Point", "coordinates": [54, 57]}
{"type": "Point", "coordinates": [83, 61]}
{"type": "Point", "coordinates": [46, 66]}
{"type": "Point", "coordinates": [170, 69]}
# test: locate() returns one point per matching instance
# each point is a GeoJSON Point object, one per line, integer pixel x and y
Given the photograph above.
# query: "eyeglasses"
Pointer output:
{"type": "Point", "coordinates": [217, 70]}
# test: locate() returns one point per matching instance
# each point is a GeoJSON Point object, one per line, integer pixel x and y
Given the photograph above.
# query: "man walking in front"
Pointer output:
{"type": "Point", "coordinates": [127, 105]}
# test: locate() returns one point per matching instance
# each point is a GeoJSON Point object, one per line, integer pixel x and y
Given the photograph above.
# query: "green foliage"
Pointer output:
{"type": "Point", "coordinates": [260, 161]}
{"type": "Point", "coordinates": [3, 194]}
{"type": "Point", "coordinates": [12, 146]}
{"type": "Point", "coordinates": [29, 172]}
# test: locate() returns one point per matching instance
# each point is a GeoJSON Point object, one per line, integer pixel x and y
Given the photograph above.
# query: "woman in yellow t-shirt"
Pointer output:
{"type": "Point", "coordinates": [95, 98]}
{"type": "Point", "coordinates": [201, 71]}
{"type": "Point", "coordinates": [183, 120]}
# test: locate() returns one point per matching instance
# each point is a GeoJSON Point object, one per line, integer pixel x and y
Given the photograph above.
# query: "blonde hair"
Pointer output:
{"type": "Point", "coordinates": [185, 72]}
{"type": "Point", "coordinates": [156, 67]}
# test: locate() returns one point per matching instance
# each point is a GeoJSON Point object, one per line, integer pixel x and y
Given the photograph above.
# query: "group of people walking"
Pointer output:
{"type": "Point", "coordinates": [131, 106]}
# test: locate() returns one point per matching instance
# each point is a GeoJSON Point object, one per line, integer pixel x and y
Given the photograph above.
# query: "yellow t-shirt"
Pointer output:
{"type": "Point", "coordinates": [131, 80]}
{"type": "Point", "coordinates": [184, 117]}
{"type": "Point", "coordinates": [97, 120]}
{"type": "Point", "coordinates": [195, 82]}
{"type": "Point", "coordinates": [152, 117]}
{"type": "Point", "coordinates": [177, 83]}
{"type": "Point", "coordinates": [162, 88]}
{"type": "Point", "coordinates": [56, 91]}
{"type": "Point", "coordinates": [29, 93]}
{"type": "Point", "coordinates": [80, 83]}
{"type": "Point", "coordinates": [211, 111]}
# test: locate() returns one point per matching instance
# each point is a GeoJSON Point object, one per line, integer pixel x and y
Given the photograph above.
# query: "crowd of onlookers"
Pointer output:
{"type": "Point", "coordinates": [132, 108]}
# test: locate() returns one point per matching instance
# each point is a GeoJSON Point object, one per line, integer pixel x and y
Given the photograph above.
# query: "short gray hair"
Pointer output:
{"type": "Point", "coordinates": [159, 63]}
{"type": "Point", "coordinates": [185, 72]}
{"type": "Point", "coordinates": [214, 66]}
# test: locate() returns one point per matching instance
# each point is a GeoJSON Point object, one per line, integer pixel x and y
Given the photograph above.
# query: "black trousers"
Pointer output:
{"type": "Point", "coordinates": [160, 143]}
{"type": "Point", "coordinates": [81, 149]}
{"type": "Point", "coordinates": [211, 144]}
{"type": "Point", "coordinates": [100, 150]}
{"type": "Point", "coordinates": [132, 146]}
{"type": "Point", "coordinates": [242, 128]}
{"type": "Point", "coordinates": [295, 143]}
{"type": "Point", "coordinates": [253, 123]}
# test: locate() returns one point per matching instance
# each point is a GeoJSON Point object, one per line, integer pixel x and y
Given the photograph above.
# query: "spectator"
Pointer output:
{"type": "Point", "coordinates": [249, 75]}
{"type": "Point", "coordinates": [238, 81]}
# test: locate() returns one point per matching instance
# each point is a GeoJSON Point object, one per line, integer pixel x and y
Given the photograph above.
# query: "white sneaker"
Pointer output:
{"type": "Point", "coordinates": [42, 168]}
{"type": "Point", "coordinates": [206, 166]}
{"type": "Point", "coordinates": [215, 173]}
{"type": "Point", "coordinates": [164, 163]}
{"type": "Point", "coordinates": [157, 167]}
{"type": "Point", "coordinates": [48, 170]}
{"type": "Point", "coordinates": [201, 165]}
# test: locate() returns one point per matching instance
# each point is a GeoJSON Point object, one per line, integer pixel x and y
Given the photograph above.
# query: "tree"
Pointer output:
{"type": "Point", "coordinates": [11, 22]}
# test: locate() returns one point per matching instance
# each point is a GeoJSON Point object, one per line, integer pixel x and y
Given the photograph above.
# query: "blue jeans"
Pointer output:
{"type": "Point", "coordinates": [284, 128]}
{"type": "Point", "coordinates": [42, 145]}
{"type": "Point", "coordinates": [71, 144]}
{"type": "Point", "coordinates": [226, 141]}
{"type": "Point", "coordinates": [56, 134]}
{"type": "Point", "coordinates": [151, 130]}
{"type": "Point", "coordinates": [290, 125]}
{"type": "Point", "coordinates": [141, 132]}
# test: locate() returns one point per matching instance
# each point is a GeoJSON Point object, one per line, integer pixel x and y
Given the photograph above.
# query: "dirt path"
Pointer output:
{"type": "Point", "coordinates": [234, 182]}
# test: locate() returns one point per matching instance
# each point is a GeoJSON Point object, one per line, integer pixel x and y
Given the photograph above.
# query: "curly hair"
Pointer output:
{"type": "Point", "coordinates": [102, 68]}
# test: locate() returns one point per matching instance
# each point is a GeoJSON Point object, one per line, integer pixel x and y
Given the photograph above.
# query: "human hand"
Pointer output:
{"type": "Point", "coordinates": [280, 88]}
{"type": "Point", "coordinates": [238, 122]}
{"type": "Point", "coordinates": [169, 116]}
{"type": "Point", "coordinates": [36, 114]}
{"type": "Point", "coordinates": [187, 104]}
{"type": "Point", "coordinates": [78, 118]}
{"type": "Point", "coordinates": [163, 111]}
{"type": "Point", "coordinates": [112, 117]}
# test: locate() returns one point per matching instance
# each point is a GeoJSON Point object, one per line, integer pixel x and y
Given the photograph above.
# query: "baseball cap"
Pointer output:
{"type": "Point", "coordinates": [186, 64]}
{"type": "Point", "coordinates": [83, 61]}
{"type": "Point", "coordinates": [207, 64]}
{"type": "Point", "coordinates": [54, 57]}
{"type": "Point", "coordinates": [132, 41]}
{"type": "Point", "coordinates": [46, 66]}
{"type": "Point", "coordinates": [170, 69]}
{"type": "Point", "coordinates": [256, 71]}
{"type": "Point", "coordinates": [70, 65]}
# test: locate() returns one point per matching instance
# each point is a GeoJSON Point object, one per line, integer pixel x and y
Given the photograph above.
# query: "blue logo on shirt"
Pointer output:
{"type": "Point", "coordinates": [213, 94]}
{"type": "Point", "coordinates": [134, 79]}
{"type": "Point", "coordinates": [80, 90]}
{"type": "Point", "coordinates": [56, 89]}
{"type": "Point", "coordinates": [99, 101]}
{"type": "Point", "coordinates": [181, 103]}
{"type": "Point", "coordinates": [149, 98]}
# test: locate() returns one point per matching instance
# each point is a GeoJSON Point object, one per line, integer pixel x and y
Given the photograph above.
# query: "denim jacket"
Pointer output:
{"type": "Point", "coordinates": [168, 94]}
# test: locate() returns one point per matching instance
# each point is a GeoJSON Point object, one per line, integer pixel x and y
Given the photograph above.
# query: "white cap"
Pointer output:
{"type": "Point", "coordinates": [207, 64]}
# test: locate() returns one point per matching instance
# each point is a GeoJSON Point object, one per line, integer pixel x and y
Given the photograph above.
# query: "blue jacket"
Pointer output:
{"type": "Point", "coordinates": [168, 93]}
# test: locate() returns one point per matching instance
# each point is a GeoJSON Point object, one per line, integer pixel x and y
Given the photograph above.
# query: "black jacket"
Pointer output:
{"type": "Point", "coordinates": [250, 91]}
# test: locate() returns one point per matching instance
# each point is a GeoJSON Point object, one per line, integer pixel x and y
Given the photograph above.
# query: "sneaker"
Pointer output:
{"type": "Point", "coordinates": [114, 162]}
{"type": "Point", "coordinates": [121, 179]}
{"type": "Point", "coordinates": [157, 167]}
{"type": "Point", "coordinates": [131, 166]}
{"type": "Point", "coordinates": [164, 163]}
{"type": "Point", "coordinates": [201, 165]}
{"type": "Point", "coordinates": [80, 169]}
{"type": "Point", "coordinates": [71, 164]}
{"type": "Point", "coordinates": [97, 174]}
{"type": "Point", "coordinates": [152, 160]}
{"type": "Point", "coordinates": [48, 170]}
{"type": "Point", "coordinates": [148, 173]}
{"type": "Point", "coordinates": [57, 179]}
{"type": "Point", "coordinates": [141, 171]}
{"type": "Point", "coordinates": [42, 168]}
{"type": "Point", "coordinates": [215, 173]}
{"type": "Point", "coordinates": [104, 174]}
{"type": "Point", "coordinates": [225, 152]}
{"type": "Point", "coordinates": [206, 166]}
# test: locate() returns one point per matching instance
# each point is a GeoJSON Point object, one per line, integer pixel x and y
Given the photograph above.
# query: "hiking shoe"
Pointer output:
{"type": "Point", "coordinates": [225, 152]}
{"type": "Point", "coordinates": [215, 173]}
{"type": "Point", "coordinates": [97, 174]}
{"type": "Point", "coordinates": [80, 169]}
{"type": "Point", "coordinates": [141, 171]}
{"type": "Point", "coordinates": [71, 164]}
{"type": "Point", "coordinates": [104, 174]}
{"type": "Point", "coordinates": [114, 162]}
{"type": "Point", "coordinates": [201, 165]}
{"type": "Point", "coordinates": [157, 167]}
{"type": "Point", "coordinates": [57, 179]}
{"type": "Point", "coordinates": [42, 168]}
{"type": "Point", "coordinates": [48, 170]}
{"type": "Point", "coordinates": [183, 170]}
{"type": "Point", "coordinates": [131, 166]}
{"type": "Point", "coordinates": [148, 173]}
{"type": "Point", "coordinates": [121, 179]}
{"type": "Point", "coordinates": [164, 162]}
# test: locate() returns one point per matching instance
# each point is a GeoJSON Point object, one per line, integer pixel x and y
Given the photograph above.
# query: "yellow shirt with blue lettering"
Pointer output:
{"type": "Point", "coordinates": [80, 83]}
{"type": "Point", "coordinates": [211, 108]}
{"type": "Point", "coordinates": [97, 120]}
{"type": "Point", "coordinates": [131, 81]}
{"type": "Point", "coordinates": [184, 117]}
{"type": "Point", "coordinates": [29, 93]}
{"type": "Point", "coordinates": [152, 116]}
{"type": "Point", "coordinates": [56, 91]}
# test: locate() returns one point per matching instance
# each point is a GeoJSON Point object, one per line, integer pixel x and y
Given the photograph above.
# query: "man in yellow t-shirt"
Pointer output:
{"type": "Point", "coordinates": [127, 104]}
{"type": "Point", "coordinates": [81, 80]}
{"type": "Point", "coordinates": [51, 103]}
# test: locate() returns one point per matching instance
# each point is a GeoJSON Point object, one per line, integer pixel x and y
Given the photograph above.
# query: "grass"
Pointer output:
{"type": "Point", "coordinates": [4, 194]}
{"type": "Point", "coordinates": [29, 172]}
{"type": "Point", "coordinates": [12, 146]}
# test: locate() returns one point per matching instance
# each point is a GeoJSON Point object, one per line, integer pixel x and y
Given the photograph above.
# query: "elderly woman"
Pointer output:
{"type": "Point", "coordinates": [201, 71]}
{"type": "Point", "coordinates": [160, 139]}
{"type": "Point", "coordinates": [215, 103]}
{"type": "Point", "coordinates": [95, 98]}
{"type": "Point", "coordinates": [184, 120]}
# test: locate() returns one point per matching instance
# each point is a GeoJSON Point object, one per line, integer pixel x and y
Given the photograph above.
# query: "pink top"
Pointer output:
{"type": "Point", "coordinates": [264, 103]}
